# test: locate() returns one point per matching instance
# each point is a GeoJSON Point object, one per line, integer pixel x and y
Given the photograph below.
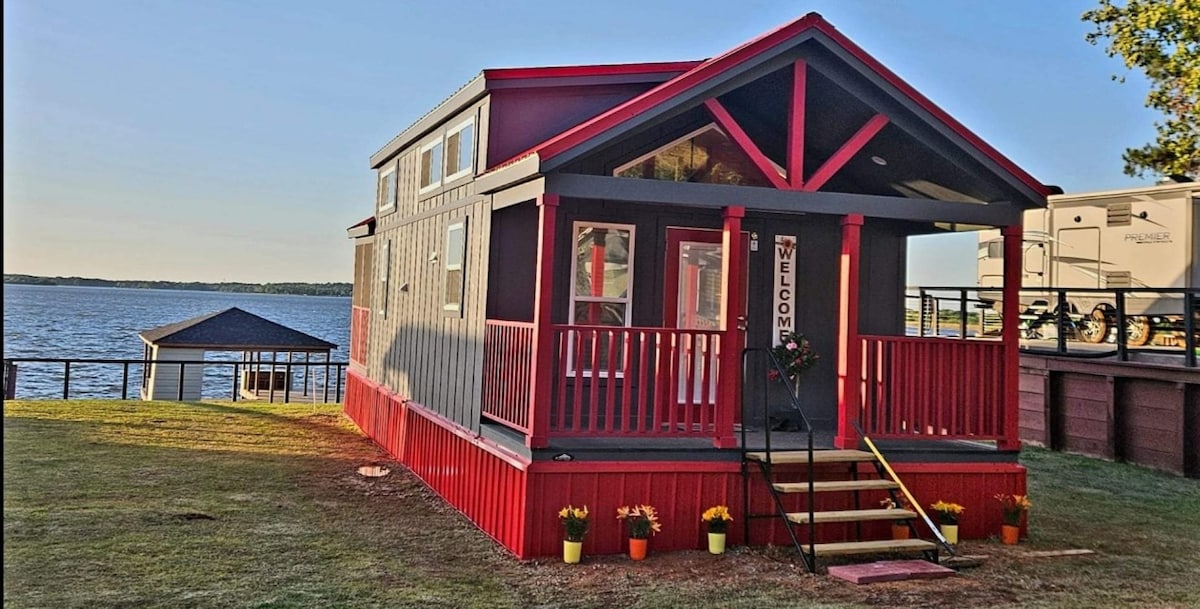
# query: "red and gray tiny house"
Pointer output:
{"type": "Point", "coordinates": [565, 264]}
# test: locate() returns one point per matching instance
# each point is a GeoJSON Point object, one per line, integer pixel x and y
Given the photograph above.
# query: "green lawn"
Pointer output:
{"type": "Point", "coordinates": [159, 504]}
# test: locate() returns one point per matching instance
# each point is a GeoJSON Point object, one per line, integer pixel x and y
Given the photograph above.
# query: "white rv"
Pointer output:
{"type": "Point", "coordinates": [1135, 238]}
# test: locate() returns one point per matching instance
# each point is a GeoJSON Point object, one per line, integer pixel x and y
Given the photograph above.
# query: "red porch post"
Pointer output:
{"type": "Point", "coordinates": [1011, 439]}
{"type": "Point", "coordinates": [541, 375]}
{"type": "Point", "coordinates": [731, 338]}
{"type": "Point", "coordinates": [849, 345]}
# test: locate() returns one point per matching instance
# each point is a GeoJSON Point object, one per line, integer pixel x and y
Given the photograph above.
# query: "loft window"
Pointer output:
{"type": "Point", "coordinates": [460, 150]}
{"type": "Point", "coordinates": [456, 253]}
{"type": "Point", "coordinates": [431, 165]}
{"type": "Point", "coordinates": [704, 155]}
{"type": "Point", "coordinates": [387, 189]}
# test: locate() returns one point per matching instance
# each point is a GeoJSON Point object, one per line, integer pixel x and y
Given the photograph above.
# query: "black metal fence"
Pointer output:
{"type": "Point", "coordinates": [327, 378]}
{"type": "Point", "coordinates": [1132, 320]}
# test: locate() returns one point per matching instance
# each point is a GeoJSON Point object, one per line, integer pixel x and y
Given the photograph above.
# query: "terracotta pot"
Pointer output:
{"type": "Point", "coordinates": [950, 532]}
{"type": "Point", "coordinates": [572, 550]}
{"type": "Point", "coordinates": [900, 531]}
{"type": "Point", "coordinates": [637, 548]}
{"type": "Point", "coordinates": [716, 543]}
{"type": "Point", "coordinates": [1010, 535]}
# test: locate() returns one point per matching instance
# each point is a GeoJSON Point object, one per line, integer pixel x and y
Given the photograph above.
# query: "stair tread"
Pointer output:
{"type": "Point", "coordinates": [852, 515]}
{"type": "Point", "coordinates": [872, 547]}
{"type": "Point", "coordinates": [819, 456]}
{"type": "Point", "coordinates": [835, 485]}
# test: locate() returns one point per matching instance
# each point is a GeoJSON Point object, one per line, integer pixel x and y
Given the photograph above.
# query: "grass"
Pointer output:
{"type": "Point", "coordinates": [159, 504]}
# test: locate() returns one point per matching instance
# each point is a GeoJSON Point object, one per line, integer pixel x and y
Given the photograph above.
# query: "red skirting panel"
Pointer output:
{"type": "Point", "coordinates": [517, 503]}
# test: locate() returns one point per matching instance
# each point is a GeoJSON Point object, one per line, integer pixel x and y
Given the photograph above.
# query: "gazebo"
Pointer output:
{"type": "Point", "coordinates": [170, 349]}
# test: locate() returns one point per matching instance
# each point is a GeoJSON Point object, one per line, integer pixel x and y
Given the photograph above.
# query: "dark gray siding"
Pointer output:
{"type": "Point", "coordinates": [512, 263]}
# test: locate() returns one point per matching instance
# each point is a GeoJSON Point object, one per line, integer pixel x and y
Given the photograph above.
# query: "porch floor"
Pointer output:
{"type": "Point", "coordinates": [701, 449]}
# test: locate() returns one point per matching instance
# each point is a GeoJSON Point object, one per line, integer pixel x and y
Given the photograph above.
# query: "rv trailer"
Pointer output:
{"type": "Point", "coordinates": [1143, 238]}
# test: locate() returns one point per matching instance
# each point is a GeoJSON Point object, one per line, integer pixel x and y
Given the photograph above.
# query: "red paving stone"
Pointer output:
{"type": "Point", "coordinates": [890, 571]}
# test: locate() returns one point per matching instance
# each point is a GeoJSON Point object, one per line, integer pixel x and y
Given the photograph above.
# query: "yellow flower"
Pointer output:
{"type": "Point", "coordinates": [623, 512]}
{"type": "Point", "coordinates": [563, 513]}
{"type": "Point", "coordinates": [717, 512]}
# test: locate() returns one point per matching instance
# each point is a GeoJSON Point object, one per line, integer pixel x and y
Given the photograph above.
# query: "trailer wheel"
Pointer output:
{"type": "Point", "coordinates": [1137, 330]}
{"type": "Point", "coordinates": [1094, 328]}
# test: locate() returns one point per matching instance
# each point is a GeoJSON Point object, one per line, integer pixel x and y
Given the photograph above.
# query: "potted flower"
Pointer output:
{"type": "Point", "coordinates": [947, 515]}
{"type": "Point", "coordinates": [1014, 507]}
{"type": "Point", "coordinates": [642, 521]}
{"type": "Point", "coordinates": [795, 354]}
{"type": "Point", "coordinates": [717, 519]}
{"type": "Point", "coordinates": [900, 528]}
{"type": "Point", "coordinates": [575, 527]}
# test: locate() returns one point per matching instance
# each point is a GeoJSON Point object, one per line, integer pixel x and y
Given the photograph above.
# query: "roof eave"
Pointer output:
{"type": "Point", "coordinates": [470, 93]}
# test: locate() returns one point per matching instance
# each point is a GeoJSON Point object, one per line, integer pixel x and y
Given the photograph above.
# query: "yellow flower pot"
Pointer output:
{"type": "Point", "coordinates": [572, 550]}
{"type": "Point", "coordinates": [716, 543]}
{"type": "Point", "coordinates": [950, 532]}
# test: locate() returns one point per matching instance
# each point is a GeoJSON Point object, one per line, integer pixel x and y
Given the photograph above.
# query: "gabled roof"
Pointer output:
{"type": "Point", "coordinates": [233, 330]}
{"type": "Point", "coordinates": [811, 26]}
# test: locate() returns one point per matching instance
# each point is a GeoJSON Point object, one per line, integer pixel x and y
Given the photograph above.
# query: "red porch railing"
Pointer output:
{"type": "Point", "coordinates": [933, 388]}
{"type": "Point", "coordinates": [507, 347]}
{"type": "Point", "coordinates": [615, 381]}
{"type": "Point", "coordinates": [360, 327]}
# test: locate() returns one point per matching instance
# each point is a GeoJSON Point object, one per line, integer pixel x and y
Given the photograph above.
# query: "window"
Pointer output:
{"type": "Point", "coordinates": [387, 189]}
{"type": "Point", "coordinates": [456, 253]}
{"type": "Point", "coordinates": [431, 165]}
{"type": "Point", "coordinates": [601, 274]}
{"type": "Point", "coordinates": [705, 155]}
{"type": "Point", "coordinates": [460, 150]}
{"type": "Point", "coordinates": [385, 270]}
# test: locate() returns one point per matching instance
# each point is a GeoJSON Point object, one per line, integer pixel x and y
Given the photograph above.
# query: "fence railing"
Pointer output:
{"type": "Point", "coordinates": [622, 381]}
{"type": "Point", "coordinates": [507, 352]}
{"type": "Point", "coordinates": [933, 388]}
{"type": "Point", "coordinates": [323, 379]}
{"type": "Point", "coordinates": [1068, 321]}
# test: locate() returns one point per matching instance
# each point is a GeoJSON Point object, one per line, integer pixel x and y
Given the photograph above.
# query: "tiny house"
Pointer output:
{"type": "Point", "coordinates": [570, 272]}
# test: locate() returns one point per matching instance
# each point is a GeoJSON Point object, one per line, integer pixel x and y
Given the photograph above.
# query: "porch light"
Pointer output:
{"type": "Point", "coordinates": [878, 160]}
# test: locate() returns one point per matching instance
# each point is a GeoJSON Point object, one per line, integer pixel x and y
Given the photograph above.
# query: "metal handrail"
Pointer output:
{"type": "Point", "coordinates": [339, 368]}
{"type": "Point", "coordinates": [810, 556]}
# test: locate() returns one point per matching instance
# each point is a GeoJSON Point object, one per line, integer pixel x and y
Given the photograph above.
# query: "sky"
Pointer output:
{"type": "Point", "coordinates": [228, 140]}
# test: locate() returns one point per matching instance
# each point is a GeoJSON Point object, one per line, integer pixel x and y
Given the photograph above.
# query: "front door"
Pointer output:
{"type": "Point", "coordinates": [693, 291]}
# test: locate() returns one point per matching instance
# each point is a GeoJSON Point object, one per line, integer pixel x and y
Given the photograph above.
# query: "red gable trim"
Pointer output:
{"type": "Point", "coordinates": [593, 70]}
{"type": "Point", "coordinates": [714, 67]}
{"type": "Point", "coordinates": [363, 222]}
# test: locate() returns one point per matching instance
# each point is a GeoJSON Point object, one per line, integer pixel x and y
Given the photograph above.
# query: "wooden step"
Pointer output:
{"type": "Point", "coordinates": [819, 456]}
{"type": "Point", "coordinates": [852, 515]}
{"type": "Point", "coordinates": [872, 547]}
{"type": "Point", "coordinates": [835, 485]}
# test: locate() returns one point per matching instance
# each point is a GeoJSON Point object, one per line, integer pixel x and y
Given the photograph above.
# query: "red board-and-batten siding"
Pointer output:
{"type": "Point", "coordinates": [516, 502]}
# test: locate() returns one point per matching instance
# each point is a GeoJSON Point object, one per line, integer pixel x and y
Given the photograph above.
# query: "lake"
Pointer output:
{"type": "Point", "coordinates": [87, 322]}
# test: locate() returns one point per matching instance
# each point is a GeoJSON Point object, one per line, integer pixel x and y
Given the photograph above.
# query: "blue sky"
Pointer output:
{"type": "Point", "coordinates": [228, 140]}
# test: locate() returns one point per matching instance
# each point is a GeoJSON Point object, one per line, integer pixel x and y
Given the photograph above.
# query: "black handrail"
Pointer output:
{"type": "Point", "coordinates": [810, 556]}
{"type": "Point", "coordinates": [339, 369]}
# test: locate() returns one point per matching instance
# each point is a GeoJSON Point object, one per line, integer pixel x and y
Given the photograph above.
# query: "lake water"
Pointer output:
{"type": "Point", "coordinates": [86, 322]}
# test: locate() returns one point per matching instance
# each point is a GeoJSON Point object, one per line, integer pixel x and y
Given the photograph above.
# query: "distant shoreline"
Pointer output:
{"type": "Point", "coordinates": [298, 289]}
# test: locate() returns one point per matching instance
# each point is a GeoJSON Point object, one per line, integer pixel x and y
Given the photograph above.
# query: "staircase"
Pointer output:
{"type": "Point", "coordinates": [805, 525]}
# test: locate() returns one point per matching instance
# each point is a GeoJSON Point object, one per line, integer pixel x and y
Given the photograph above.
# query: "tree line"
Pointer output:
{"type": "Point", "coordinates": [304, 289]}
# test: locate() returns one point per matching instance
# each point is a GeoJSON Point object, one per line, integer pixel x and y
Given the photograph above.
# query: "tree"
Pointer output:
{"type": "Point", "coordinates": [1162, 39]}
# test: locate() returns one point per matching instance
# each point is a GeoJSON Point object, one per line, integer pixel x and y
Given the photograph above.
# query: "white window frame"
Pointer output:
{"type": "Point", "coordinates": [627, 300]}
{"type": "Point", "coordinates": [386, 205]}
{"type": "Point", "coordinates": [385, 270]}
{"type": "Point", "coordinates": [461, 267]}
{"type": "Point", "coordinates": [441, 167]}
{"type": "Point", "coordinates": [450, 177]}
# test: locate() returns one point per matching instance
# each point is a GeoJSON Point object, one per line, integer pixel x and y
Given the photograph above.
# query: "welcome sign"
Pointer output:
{"type": "Point", "coordinates": [784, 309]}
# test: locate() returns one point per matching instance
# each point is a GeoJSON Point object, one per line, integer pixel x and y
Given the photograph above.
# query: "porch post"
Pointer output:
{"type": "Point", "coordinates": [541, 375]}
{"type": "Point", "coordinates": [849, 345]}
{"type": "Point", "coordinates": [731, 336]}
{"type": "Point", "coordinates": [1011, 434]}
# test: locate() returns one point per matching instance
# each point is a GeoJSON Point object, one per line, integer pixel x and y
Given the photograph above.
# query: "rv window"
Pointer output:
{"type": "Point", "coordinates": [995, 249]}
